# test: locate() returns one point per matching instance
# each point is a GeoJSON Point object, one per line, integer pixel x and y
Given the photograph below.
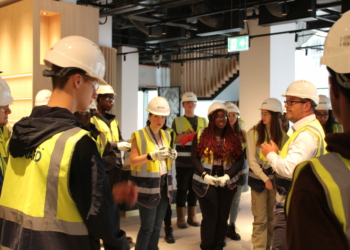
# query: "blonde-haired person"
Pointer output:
{"type": "Point", "coordinates": [235, 122]}
{"type": "Point", "coordinates": [260, 172]}
{"type": "Point", "coordinates": [150, 161]}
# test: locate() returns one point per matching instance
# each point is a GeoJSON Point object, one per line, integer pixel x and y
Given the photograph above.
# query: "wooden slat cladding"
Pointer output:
{"type": "Point", "coordinates": [110, 55]}
{"type": "Point", "coordinates": [204, 76]}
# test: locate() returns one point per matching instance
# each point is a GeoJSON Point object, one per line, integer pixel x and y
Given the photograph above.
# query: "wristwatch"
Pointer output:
{"type": "Point", "coordinates": [149, 157]}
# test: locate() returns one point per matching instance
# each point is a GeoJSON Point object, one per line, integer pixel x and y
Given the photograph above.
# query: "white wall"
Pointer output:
{"type": "Point", "coordinates": [154, 76]}
{"type": "Point", "coordinates": [105, 32]}
{"type": "Point", "coordinates": [127, 91]}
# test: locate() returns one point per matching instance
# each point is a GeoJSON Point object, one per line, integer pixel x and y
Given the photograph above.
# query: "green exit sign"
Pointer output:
{"type": "Point", "coordinates": [238, 43]}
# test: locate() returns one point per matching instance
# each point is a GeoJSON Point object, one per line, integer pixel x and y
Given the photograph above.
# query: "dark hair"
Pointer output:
{"type": "Point", "coordinates": [164, 126]}
{"type": "Point", "coordinates": [230, 150]}
{"type": "Point", "coordinates": [346, 92]}
{"type": "Point", "coordinates": [60, 82]}
{"type": "Point", "coordinates": [330, 122]}
{"type": "Point", "coordinates": [275, 130]}
{"type": "Point", "coordinates": [237, 129]}
{"type": "Point", "coordinates": [101, 96]}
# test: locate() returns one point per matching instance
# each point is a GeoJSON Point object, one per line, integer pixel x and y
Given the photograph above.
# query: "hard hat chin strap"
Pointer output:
{"type": "Point", "coordinates": [61, 73]}
{"type": "Point", "coordinates": [343, 80]}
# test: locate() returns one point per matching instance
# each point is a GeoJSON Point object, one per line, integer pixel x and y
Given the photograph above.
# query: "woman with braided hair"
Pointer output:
{"type": "Point", "coordinates": [218, 159]}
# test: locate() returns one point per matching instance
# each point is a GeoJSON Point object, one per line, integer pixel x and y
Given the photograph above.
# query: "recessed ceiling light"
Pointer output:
{"type": "Point", "coordinates": [44, 13]}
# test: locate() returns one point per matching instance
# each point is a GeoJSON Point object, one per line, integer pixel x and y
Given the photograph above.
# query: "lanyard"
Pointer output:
{"type": "Point", "coordinates": [154, 137]}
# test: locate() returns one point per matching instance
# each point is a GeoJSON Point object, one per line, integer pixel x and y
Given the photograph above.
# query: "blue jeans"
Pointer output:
{"type": "Point", "coordinates": [235, 205]}
{"type": "Point", "coordinates": [151, 223]}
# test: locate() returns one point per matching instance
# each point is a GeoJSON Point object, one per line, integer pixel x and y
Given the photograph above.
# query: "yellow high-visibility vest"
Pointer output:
{"type": "Point", "coordinates": [35, 193]}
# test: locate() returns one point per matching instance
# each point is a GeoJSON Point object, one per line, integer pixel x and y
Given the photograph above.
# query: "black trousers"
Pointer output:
{"type": "Point", "coordinates": [167, 218]}
{"type": "Point", "coordinates": [184, 187]}
{"type": "Point", "coordinates": [215, 207]}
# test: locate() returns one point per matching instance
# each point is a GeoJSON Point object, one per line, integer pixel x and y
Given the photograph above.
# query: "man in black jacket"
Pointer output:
{"type": "Point", "coordinates": [55, 193]}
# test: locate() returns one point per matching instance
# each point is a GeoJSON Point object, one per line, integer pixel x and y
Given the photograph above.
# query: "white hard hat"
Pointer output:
{"type": "Point", "coordinates": [158, 106]}
{"type": "Point", "coordinates": [105, 89]}
{"type": "Point", "coordinates": [92, 104]}
{"type": "Point", "coordinates": [42, 97]}
{"type": "Point", "coordinates": [5, 93]}
{"type": "Point", "coordinates": [302, 89]}
{"type": "Point", "coordinates": [324, 103]}
{"type": "Point", "coordinates": [272, 104]}
{"type": "Point", "coordinates": [231, 107]}
{"type": "Point", "coordinates": [336, 48]}
{"type": "Point", "coordinates": [189, 97]}
{"type": "Point", "coordinates": [217, 106]}
{"type": "Point", "coordinates": [78, 52]}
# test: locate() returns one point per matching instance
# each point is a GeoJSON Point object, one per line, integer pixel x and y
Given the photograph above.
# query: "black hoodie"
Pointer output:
{"type": "Point", "coordinates": [87, 180]}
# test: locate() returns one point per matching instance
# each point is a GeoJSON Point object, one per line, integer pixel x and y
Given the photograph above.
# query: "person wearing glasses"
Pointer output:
{"type": "Point", "coordinates": [306, 142]}
{"type": "Point", "coordinates": [5, 100]}
{"type": "Point", "coordinates": [108, 124]}
{"type": "Point", "coordinates": [235, 122]}
{"type": "Point", "coordinates": [324, 115]}
{"type": "Point", "coordinates": [185, 127]}
{"type": "Point", "coordinates": [261, 174]}
{"type": "Point", "coordinates": [318, 203]}
{"type": "Point", "coordinates": [218, 160]}
{"type": "Point", "coordinates": [55, 179]}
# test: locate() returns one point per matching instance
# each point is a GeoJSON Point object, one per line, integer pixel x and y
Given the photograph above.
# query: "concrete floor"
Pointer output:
{"type": "Point", "coordinates": [189, 238]}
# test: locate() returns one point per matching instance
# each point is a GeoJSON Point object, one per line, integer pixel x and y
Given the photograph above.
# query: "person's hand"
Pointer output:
{"type": "Point", "coordinates": [212, 180]}
{"type": "Point", "coordinates": [173, 153]}
{"type": "Point", "coordinates": [267, 148]}
{"type": "Point", "coordinates": [188, 132]}
{"type": "Point", "coordinates": [124, 146]}
{"type": "Point", "coordinates": [125, 192]}
{"type": "Point", "coordinates": [268, 184]}
{"type": "Point", "coordinates": [223, 180]}
{"type": "Point", "coordinates": [160, 154]}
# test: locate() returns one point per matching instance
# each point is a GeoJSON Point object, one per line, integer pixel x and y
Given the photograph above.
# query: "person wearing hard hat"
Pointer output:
{"type": "Point", "coordinates": [42, 97]}
{"type": "Point", "coordinates": [235, 122]}
{"type": "Point", "coordinates": [260, 172]}
{"type": "Point", "coordinates": [5, 100]}
{"type": "Point", "coordinates": [307, 141]}
{"type": "Point", "coordinates": [218, 159]}
{"type": "Point", "coordinates": [324, 115]}
{"type": "Point", "coordinates": [108, 124]}
{"type": "Point", "coordinates": [55, 179]}
{"type": "Point", "coordinates": [185, 126]}
{"type": "Point", "coordinates": [318, 203]}
{"type": "Point", "coordinates": [150, 162]}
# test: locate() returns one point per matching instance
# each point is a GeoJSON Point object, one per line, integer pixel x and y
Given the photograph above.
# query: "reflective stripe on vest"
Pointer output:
{"type": "Point", "coordinates": [200, 186]}
{"type": "Point", "coordinates": [100, 141]}
{"type": "Point", "coordinates": [333, 172]}
{"type": "Point", "coordinates": [42, 201]}
{"type": "Point", "coordinates": [282, 183]}
{"type": "Point", "coordinates": [112, 132]}
{"type": "Point", "coordinates": [147, 176]}
{"type": "Point", "coordinates": [338, 128]}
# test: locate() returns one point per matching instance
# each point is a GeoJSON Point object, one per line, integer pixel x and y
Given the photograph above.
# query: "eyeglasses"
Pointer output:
{"type": "Point", "coordinates": [221, 117]}
{"type": "Point", "coordinates": [232, 115]}
{"type": "Point", "coordinates": [94, 80]}
{"type": "Point", "coordinates": [290, 103]}
{"type": "Point", "coordinates": [319, 115]}
{"type": "Point", "coordinates": [110, 100]}
{"type": "Point", "coordinates": [83, 112]}
{"type": "Point", "coordinates": [190, 102]}
{"type": "Point", "coordinates": [265, 114]}
{"type": "Point", "coordinates": [4, 107]}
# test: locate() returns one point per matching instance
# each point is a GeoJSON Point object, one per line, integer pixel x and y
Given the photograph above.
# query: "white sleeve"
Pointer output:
{"type": "Point", "coordinates": [301, 149]}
